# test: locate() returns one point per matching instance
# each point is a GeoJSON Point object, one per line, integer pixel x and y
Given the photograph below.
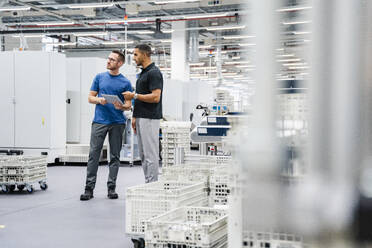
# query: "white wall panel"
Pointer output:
{"type": "Point", "coordinates": [32, 89]}
{"type": "Point", "coordinates": [6, 99]}
{"type": "Point", "coordinates": [58, 100]}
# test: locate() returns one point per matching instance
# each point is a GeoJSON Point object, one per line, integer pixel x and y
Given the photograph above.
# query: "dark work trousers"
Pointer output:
{"type": "Point", "coordinates": [98, 135]}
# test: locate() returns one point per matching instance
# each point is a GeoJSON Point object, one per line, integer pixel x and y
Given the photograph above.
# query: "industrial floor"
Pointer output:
{"type": "Point", "coordinates": [57, 218]}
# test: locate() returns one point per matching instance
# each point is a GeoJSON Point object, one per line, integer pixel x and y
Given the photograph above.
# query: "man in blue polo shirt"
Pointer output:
{"type": "Point", "coordinates": [108, 118]}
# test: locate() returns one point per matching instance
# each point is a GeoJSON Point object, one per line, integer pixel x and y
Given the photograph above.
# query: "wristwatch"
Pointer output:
{"type": "Point", "coordinates": [135, 96]}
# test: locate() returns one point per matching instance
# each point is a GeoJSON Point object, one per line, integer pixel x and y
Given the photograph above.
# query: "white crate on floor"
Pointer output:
{"type": "Point", "coordinates": [149, 200]}
{"type": "Point", "coordinates": [254, 239]}
{"type": "Point", "coordinates": [77, 149]}
{"type": "Point", "coordinates": [188, 227]}
{"type": "Point", "coordinates": [209, 159]}
{"type": "Point", "coordinates": [74, 158]}
{"type": "Point", "coordinates": [22, 170]}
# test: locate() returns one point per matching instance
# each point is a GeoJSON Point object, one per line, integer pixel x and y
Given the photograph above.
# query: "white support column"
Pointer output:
{"type": "Point", "coordinates": [180, 70]}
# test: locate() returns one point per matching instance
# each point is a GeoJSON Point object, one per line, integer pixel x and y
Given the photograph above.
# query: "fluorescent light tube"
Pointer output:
{"type": "Point", "coordinates": [247, 44]}
{"type": "Point", "coordinates": [54, 23]}
{"type": "Point", "coordinates": [14, 8]}
{"type": "Point", "coordinates": [145, 32]}
{"type": "Point", "coordinates": [294, 8]}
{"type": "Point", "coordinates": [167, 31]}
{"type": "Point", "coordinates": [205, 16]}
{"type": "Point", "coordinates": [94, 5]}
{"type": "Point", "coordinates": [231, 37]}
{"type": "Point", "coordinates": [205, 46]}
{"type": "Point", "coordinates": [236, 62]}
{"type": "Point", "coordinates": [174, 1]}
{"type": "Point", "coordinates": [63, 44]}
{"type": "Point", "coordinates": [29, 35]}
{"type": "Point", "coordinates": [196, 64]}
{"type": "Point", "coordinates": [91, 34]}
{"type": "Point", "coordinates": [224, 28]}
{"type": "Point", "coordinates": [117, 42]}
{"type": "Point", "coordinates": [296, 22]}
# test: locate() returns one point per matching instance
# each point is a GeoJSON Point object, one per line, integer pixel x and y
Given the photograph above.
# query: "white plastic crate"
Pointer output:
{"type": "Point", "coordinates": [22, 170]}
{"type": "Point", "coordinates": [188, 172]}
{"type": "Point", "coordinates": [252, 239]}
{"type": "Point", "coordinates": [188, 227]}
{"type": "Point", "coordinates": [72, 149]}
{"type": "Point", "coordinates": [219, 185]}
{"type": "Point", "coordinates": [149, 200]}
{"type": "Point", "coordinates": [218, 160]}
{"type": "Point", "coordinates": [74, 158]}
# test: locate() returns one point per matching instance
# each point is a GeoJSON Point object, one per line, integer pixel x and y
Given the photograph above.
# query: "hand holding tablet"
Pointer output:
{"type": "Point", "coordinates": [112, 98]}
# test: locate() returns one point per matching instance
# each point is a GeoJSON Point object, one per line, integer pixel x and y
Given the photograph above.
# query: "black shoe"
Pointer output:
{"type": "Point", "coordinates": [112, 194]}
{"type": "Point", "coordinates": [88, 194]}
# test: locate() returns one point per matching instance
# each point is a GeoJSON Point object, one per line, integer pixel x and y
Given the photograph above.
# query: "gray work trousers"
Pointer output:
{"type": "Point", "coordinates": [148, 147]}
{"type": "Point", "coordinates": [98, 135]}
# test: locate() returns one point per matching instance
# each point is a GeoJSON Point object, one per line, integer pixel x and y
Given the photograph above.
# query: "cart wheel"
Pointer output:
{"type": "Point", "coordinates": [135, 243]}
{"type": "Point", "coordinates": [5, 189]}
{"type": "Point", "coordinates": [138, 243]}
{"type": "Point", "coordinates": [43, 186]}
{"type": "Point", "coordinates": [12, 188]}
{"type": "Point", "coordinates": [142, 242]}
{"type": "Point", "coordinates": [30, 189]}
{"type": "Point", "coordinates": [20, 187]}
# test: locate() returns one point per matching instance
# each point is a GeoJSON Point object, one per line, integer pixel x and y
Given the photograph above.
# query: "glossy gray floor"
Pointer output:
{"type": "Point", "coordinates": [57, 218]}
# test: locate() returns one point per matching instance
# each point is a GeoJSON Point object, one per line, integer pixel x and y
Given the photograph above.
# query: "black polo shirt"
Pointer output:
{"type": "Point", "coordinates": [149, 79]}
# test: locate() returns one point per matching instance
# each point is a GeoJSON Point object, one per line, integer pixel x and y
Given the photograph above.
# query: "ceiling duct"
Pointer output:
{"type": "Point", "coordinates": [194, 42]}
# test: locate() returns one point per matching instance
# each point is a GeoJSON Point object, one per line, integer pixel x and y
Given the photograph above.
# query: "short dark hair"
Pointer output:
{"type": "Point", "coordinates": [121, 55]}
{"type": "Point", "coordinates": [144, 48]}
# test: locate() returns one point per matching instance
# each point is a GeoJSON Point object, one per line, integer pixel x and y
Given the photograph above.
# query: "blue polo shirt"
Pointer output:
{"type": "Point", "coordinates": [105, 83]}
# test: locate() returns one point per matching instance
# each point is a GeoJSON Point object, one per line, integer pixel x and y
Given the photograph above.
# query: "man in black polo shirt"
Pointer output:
{"type": "Point", "coordinates": [147, 111]}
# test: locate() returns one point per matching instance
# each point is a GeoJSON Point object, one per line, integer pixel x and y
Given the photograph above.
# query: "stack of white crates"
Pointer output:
{"type": "Point", "coordinates": [22, 171]}
{"type": "Point", "coordinates": [149, 200]}
{"type": "Point", "coordinates": [206, 159]}
{"type": "Point", "coordinates": [271, 239]}
{"type": "Point", "coordinates": [192, 227]}
{"type": "Point", "coordinates": [175, 134]}
{"type": "Point", "coordinates": [214, 176]}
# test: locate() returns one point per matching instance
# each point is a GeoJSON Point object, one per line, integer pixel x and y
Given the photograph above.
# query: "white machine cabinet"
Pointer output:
{"type": "Point", "coordinates": [33, 102]}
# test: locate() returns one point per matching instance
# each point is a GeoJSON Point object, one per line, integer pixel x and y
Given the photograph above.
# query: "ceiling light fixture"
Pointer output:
{"type": "Point", "coordinates": [145, 32]}
{"type": "Point", "coordinates": [205, 16]}
{"type": "Point", "coordinates": [175, 1]}
{"type": "Point", "coordinates": [93, 5]}
{"type": "Point", "coordinates": [91, 34]}
{"type": "Point", "coordinates": [165, 41]}
{"type": "Point", "coordinates": [197, 64]}
{"type": "Point", "coordinates": [294, 8]}
{"type": "Point", "coordinates": [296, 22]}
{"type": "Point", "coordinates": [247, 44]}
{"type": "Point", "coordinates": [286, 55]}
{"type": "Point", "coordinates": [167, 31]}
{"type": "Point", "coordinates": [117, 42]}
{"type": "Point", "coordinates": [288, 60]}
{"type": "Point", "coordinates": [29, 35]}
{"type": "Point", "coordinates": [63, 44]}
{"type": "Point", "coordinates": [236, 62]}
{"type": "Point", "coordinates": [14, 8]}
{"type": "Point", "coordinates": [225, 28]}
{"type": "Point", "coordinates": [54, 23]}
{"type": "Point", "coordinates": [121, 21]}
{"type": "Point", "coordinates": [301, 32]}
{"type": "Point", "coordinates": [205, 46]}
{"type": "Point", "coordinates": [233, 37]}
